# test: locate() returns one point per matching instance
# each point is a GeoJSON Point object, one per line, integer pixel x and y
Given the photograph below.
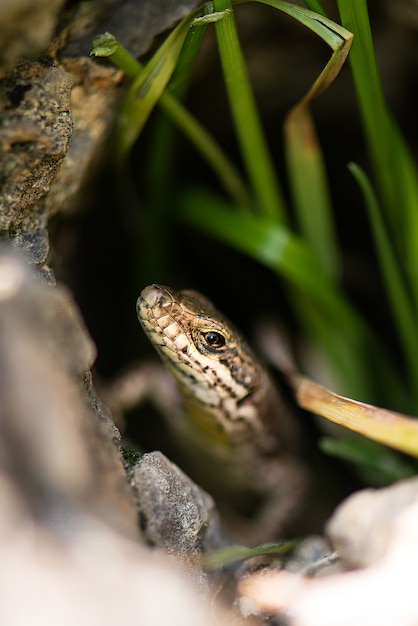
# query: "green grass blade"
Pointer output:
{"type": "Point", "coordinates": [310, 190]}
{"type": "Point", "coordinates": [402, 309]}
{"type": "Point", "coordinates": [148, 87]}
{"type": "Point", "coordinates": [307, 173]}
{"type": "Point", "coordinates": [408, 202]}
{"type": "Point", "coordinates": [225, 557]}
{"type": "Point", "coordinates": [255, 153]}
{"type": "Point", "coordinates": [349, 345]}
{"type": "Point", "coordinates": [227, 173]}
{"type": "Point", "coordinates": [376, 462]}
{"type": "Point", "coordinates": [181, 78]}
{"type": "Point", "coordinates": [326, 312]}
{"type": "Point", "coordinates": [273, 245]}
{"type": "Point", "coordinates": [107, 46]}
{"type": "Point", "coordinates": [333, 34]}
{"type": "Point", "coordinates": [306, 167]}
{"type": "Point", "coordinates": [314, 5]}
{"type": "Point", "coordinates": [174, 116]}
{"type": "Point", "coordinates": [394, 169]}
{"type": "Point", "coordinates": [354, 16]}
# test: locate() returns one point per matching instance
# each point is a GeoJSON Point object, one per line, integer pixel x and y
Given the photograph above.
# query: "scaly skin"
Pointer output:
{"type": "Point", "coordinates": [234, 419]}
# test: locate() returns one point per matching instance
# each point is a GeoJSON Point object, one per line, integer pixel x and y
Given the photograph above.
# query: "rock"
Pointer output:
{"type": "Point", "coordinates": [35, 131]}
{"type": "Point", "coordinates": [375, 531]}
{"type": "Point", "coordinates": [54, 449]}
{"type": "Point", "coordinates": [26, 28]}
{"type": "Point", "coordinates": [176, 514]}
{"type": "Point", "coordinates": [97, 86]}
{"type": "Point", "coordinates": [38, 118]}
{"type": "Point", "coordinates": [363, 526]}
{"type": "Point", "coordinates": [71, 551]}
{"type": "Point", "coordinates": [92, 575]}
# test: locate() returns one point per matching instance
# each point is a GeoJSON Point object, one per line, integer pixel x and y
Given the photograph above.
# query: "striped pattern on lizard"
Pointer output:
{"type": "Point", "coordinates": [233, 421]}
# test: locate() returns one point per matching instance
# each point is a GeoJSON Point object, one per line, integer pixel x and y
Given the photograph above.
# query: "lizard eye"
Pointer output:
{"type": "Point", "coordinates": [214, 339]}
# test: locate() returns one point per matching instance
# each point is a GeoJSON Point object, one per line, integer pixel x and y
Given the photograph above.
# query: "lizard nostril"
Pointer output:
{"type": "Point", "coordinates": [150, 295]}
{"type": "Point", "coordinates": [155, 294]}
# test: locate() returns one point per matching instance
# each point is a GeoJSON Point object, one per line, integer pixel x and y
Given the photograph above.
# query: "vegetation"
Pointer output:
{"type": "Point", "coordinates": [294, 233]}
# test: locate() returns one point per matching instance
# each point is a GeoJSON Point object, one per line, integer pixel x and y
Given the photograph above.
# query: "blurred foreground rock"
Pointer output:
{"type": "Point", "coordinates": [363, 527]}
{"type": "Point", "coordinates": [70, 546]}
{"type": "Point", "coordinates": [71, 551]}
{"type": "Point", "coordinates": [51, 440]}
{"type": "Point", "coordinates": [376, 534]}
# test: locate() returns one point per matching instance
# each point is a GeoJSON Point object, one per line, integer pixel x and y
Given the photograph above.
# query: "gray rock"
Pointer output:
{"type": "Point", "coordinates": [176, 514]}
{"type": "Point", "coordinates": [57, 451]}
{"type": "Point", "coordinates": [362, 527]}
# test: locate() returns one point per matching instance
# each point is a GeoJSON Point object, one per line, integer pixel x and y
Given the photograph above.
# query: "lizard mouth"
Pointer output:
{"type": "Point", "coordinates": [158, 311]}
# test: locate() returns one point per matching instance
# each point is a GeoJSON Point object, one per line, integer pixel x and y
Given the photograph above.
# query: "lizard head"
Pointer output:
{"type": "Point", "coordinates": [218, 375]}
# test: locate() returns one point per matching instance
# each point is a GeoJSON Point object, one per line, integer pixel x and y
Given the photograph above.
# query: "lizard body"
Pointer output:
{"type": "Point", "coordinates": [234, 422]}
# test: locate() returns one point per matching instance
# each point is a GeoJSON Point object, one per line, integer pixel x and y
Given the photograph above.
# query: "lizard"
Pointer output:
{"type": "Point", "coordinates": [233, 423]}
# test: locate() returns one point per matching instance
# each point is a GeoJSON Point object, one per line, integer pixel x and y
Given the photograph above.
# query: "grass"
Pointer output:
{"type": "Point", "coordinates": [295, 237]}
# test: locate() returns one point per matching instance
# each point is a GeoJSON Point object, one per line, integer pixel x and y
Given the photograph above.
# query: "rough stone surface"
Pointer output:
{"type": "Point", "coordinates": [134, 24]}
{"type": "Point", "coordinates": [98, 87]}
{"type": "Point", "coordinates": [96, 93]}
{"type": "Point", "coordinates": [175, 513]}
{"type": "Point", "coordinates": [35, 131]}
{"type": "Point", "coordinates": [36, 113]}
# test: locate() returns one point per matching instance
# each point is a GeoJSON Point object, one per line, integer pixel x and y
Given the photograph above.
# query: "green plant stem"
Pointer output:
{"type": "Point", "coordinates": [393, 166]}
{"type": "Point", "coordinates": [406, 323]}
{"type": "Point", "coordinates": [257, 159]}
{"type": "Point", "coordinates": [310, 189]}
{"type": "Point", "coordinates": [126, 62]}
{"type": "Point", "coordinates": [354, 16]}
{"type": "Point", "coordinates": [210, 150]}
